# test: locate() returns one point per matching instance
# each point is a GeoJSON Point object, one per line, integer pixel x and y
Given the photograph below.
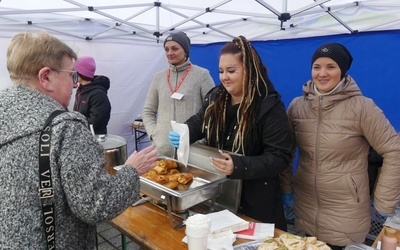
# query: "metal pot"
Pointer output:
{"type": "Point", "coordinates": [116, 151]}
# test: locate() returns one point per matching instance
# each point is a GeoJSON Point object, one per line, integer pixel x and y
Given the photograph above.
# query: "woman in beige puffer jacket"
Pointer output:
{"type": "Point", "coordinates": [334, 125]}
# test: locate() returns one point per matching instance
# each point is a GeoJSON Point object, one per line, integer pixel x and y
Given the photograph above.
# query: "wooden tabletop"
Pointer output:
{"type": "Point", "coordinates": [149, 227]}
{"type": "Point", "coordinates": [137, 125]}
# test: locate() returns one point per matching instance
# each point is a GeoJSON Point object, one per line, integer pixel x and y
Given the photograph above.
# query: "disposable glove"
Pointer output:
{"type": "Point", "coordinates": [288, 206]}
{"type": "Point", "coordinates": [174, 139]}
{"type": "Point", "coordinates": [388, 215]}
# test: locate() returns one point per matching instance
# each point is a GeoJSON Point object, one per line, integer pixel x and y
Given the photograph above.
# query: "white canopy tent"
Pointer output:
{"type": "Point", "coordinates": [125, 37]}
{"type": "Point", "coordinates": [205, 21]}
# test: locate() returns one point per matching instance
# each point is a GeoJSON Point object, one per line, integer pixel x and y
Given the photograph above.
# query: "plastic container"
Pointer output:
{"type": "Point", "coordinates": [389, 240]}
{"type": "Point", "coordinates": [397, 212]}
{"type": "Point", "coordinates": [197, 231]}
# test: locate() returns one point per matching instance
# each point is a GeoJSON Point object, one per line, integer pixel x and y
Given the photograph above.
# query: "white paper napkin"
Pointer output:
{"type": "Point", "coordinates": [183, 150]}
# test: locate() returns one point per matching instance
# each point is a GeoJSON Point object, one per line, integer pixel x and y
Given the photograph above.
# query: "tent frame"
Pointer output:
{"type": "Point", "coordinates": [280, 23]}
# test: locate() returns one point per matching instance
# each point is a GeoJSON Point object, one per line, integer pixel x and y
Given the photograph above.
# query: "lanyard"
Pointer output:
{"type": "Point", "coordinates": [46, 191]}
{"type": "Point", "coordinates": [180, 81]}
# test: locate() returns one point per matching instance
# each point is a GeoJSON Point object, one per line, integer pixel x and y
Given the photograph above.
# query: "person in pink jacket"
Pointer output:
{"type": "Point", "coordinates": [333, 125]}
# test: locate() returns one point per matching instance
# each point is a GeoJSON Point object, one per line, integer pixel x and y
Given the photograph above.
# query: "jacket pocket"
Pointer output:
{"type": "Point", "coordinates": [351, 181]}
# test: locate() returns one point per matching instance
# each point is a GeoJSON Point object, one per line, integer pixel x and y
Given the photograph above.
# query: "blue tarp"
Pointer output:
{"type": "Point", "coordinates": [376, 65]}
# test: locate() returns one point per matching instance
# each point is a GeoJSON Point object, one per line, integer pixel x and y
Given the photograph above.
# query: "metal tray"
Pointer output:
{"type": "Point", "coordinates": [251, 245]}
{"type": "Point", "coordinates": [206, 185]}
{"type": "Point", "coordinates": [231, 189]}
{"type": "Point", "coordinates": [359, 246]}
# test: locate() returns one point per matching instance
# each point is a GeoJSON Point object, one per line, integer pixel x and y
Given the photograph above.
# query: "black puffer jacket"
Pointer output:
{"type": "Point", "coordinates": [267, 154]}
{"type": "Point", "coordinates": [91, 100]}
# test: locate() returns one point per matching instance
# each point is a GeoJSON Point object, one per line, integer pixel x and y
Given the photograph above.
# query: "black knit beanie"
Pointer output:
{"type": "Point", "coordinates": [181, 38]}
{"type": "Point", "coordinates": [336, 52]}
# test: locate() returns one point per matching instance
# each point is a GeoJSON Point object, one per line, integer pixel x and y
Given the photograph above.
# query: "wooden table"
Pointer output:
{"type": "Point", "coordinates": [149, 227]}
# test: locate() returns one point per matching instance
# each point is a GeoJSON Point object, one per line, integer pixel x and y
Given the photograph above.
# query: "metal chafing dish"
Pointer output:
{"type": "Point", "coordinates": [231, 189]}
{"type": "Point", "coordinates": [208, 188]}
{"type": "Point", "coordinates": [205, 186]}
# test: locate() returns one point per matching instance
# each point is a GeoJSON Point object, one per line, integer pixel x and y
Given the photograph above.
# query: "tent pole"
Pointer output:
{"type": "Point", "coordinates": [337, 19]}
{"type": "Point", "coordinates": [193, 18]}
{"type": "Point", "coordinates": [310, 6]}
{"type": "Point", "coordinates": [315, 11]}
{"type": "Point", "coordinates": [269, 7]}
{"type": "Point", "coordinates": [284, 6]}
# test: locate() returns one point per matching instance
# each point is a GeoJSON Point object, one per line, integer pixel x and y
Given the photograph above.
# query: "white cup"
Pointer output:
{"type": "Point", "coordinates": [197, 231]}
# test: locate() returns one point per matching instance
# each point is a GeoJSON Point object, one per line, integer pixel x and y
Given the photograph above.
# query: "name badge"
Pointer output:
{"type": "Point", "coordinates": [177, 96]}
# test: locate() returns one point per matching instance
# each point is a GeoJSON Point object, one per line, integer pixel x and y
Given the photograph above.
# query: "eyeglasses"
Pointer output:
{"type": "Point", "coordinates": [74, 74]}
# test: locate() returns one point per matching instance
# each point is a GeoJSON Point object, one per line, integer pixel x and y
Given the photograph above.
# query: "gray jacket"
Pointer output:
{"type": "Point", "coordinates": [160, 109]}
{"type": "Point", "coordinates": [84, 193]}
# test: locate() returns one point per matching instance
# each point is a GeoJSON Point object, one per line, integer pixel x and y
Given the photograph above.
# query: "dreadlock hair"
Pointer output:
{"type": "Point", "coordinates": [254, 84]}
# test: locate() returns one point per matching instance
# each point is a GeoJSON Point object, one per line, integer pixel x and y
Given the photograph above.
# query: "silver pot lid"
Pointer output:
{"type": "Point", "coordinates": [111, 141]}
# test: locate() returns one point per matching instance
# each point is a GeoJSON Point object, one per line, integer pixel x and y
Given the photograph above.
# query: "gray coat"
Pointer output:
{"type": "Point", "coordinates": [84, 193]}
{"type": "Point", "coordinates": [160, 109]}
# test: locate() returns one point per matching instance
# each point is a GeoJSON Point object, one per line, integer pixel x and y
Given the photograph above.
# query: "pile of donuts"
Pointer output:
{"type": "Point", "coordinates": [167, 174]}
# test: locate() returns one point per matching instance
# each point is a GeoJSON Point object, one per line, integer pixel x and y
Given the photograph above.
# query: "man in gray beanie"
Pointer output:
{"type": "Point", "coordinates": [176, 93]}
{"type": "Point", "coordinates": [181, 38]}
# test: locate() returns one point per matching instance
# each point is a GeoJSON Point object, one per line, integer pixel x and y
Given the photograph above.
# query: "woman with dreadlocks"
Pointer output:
{"type": "Point", "coordinates": [245, 115]}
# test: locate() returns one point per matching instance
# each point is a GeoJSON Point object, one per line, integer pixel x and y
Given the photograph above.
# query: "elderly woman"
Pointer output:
{"type": "Point", "coordinates": [334, 125]}
{"type": "Point", "coordinates": [76, 191]}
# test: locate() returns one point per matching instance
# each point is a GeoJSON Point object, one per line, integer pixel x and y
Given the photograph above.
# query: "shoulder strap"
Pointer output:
{"type": "Point", "coordinates": [46, 192]}
{"type": "Point", "coordinates": [51, 117]}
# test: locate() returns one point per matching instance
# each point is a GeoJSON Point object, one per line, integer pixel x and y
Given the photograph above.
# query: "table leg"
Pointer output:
{"type": "Point", "coordinates": [136, 140]}
{"type": "Point", "coordinates": [123, 241]}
